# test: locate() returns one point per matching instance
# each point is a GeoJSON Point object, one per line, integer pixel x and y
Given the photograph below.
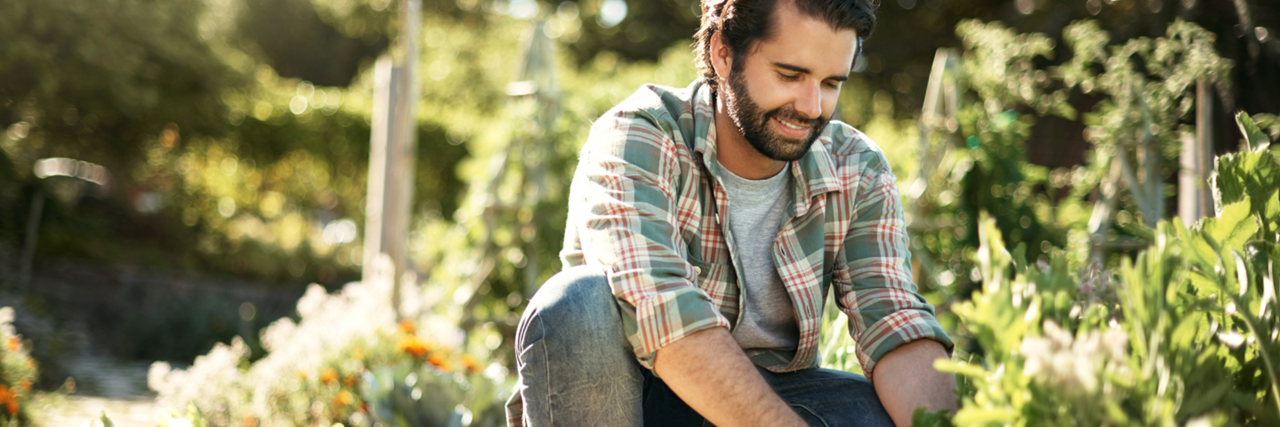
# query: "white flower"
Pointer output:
{"type": "Point", "coordinates": [1075, 364]}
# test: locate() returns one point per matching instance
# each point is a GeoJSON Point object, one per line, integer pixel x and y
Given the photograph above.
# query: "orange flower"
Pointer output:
{"type": "Point", "coordinates": [439, 361]}
{"type": "Point", "coordinates": [13, 343]}
{"type": "Point", "coordinates": [414, 346]}
{"type": "Point", "coordinates": [9, 399]}
{"type": "Point", "coordinates": [25, 384]}
{"type": "Point", "coordinates": [342, 399]}
{"type": "Point", "coordinates": [328, 375]}
{"type": "Point", "coordinates": [349, 380]}
{"type": "Point", "coordinates": [469, 362]}
{"type": "Point", "coordinates": [407, 326]}
{"type": "Point", "coordinates": [249, 421]}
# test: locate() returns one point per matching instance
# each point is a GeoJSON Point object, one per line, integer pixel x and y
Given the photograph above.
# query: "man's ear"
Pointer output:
{"type": "Point", "coordinates": [721, 57]}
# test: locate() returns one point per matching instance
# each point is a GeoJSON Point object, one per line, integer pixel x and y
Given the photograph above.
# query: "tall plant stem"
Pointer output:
{"type": "Point", "coordinates": [1266, 358]}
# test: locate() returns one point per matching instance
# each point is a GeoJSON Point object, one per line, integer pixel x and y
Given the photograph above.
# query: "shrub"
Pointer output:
{"type": "Point", "coordinates": [1187, 337]}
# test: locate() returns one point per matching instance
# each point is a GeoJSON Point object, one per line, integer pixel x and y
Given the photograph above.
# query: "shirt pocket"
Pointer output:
{"type": "Point", "coordinates": [720, 282]}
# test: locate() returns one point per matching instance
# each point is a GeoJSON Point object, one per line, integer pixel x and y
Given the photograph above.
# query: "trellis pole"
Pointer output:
{"type": "Point", "coordinates": [393, 150]}
{"type": "Point", "coordinates": [939, 113]}
{"type": "Point", "coordinates": [539, 89]}
{"type": "Point", "coordinates": [1194, 200]}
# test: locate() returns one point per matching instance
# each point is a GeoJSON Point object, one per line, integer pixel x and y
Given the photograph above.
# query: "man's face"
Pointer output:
{"type": "Point", "coordinates": [781, 94]}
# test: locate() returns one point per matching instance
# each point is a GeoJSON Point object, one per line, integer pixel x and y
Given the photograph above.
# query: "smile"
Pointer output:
{"type": "Point", "coordinates": [791, 128]}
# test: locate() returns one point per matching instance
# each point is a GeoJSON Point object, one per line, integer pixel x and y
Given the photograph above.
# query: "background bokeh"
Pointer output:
{"type": "Point", "coordinates": [236, 137]}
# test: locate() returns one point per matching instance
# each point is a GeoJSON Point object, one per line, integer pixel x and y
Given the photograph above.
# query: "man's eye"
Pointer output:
{"type": "Point", "coordinates": [832, 85]}
{"type": "Point", "coordinates": [789, 77]}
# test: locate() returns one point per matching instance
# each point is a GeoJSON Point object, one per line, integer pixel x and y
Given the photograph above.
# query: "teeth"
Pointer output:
{"type": "Point", "coordinates": [785, 123]}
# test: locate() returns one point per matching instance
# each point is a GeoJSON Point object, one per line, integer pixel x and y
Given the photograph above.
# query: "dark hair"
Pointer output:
{"type": "Point", "coordinates": [742, 23]}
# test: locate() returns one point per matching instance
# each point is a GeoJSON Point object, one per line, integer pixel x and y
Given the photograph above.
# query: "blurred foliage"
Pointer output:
{"type": "Point", "coordinates": [899, 52]}
{"type": "Point", "coordinates": [221, 165]}
{"type": "Point", "coordinates": [1004, 94]}
{"type": "Point", "coordinates": [505, 238]}
{"type": "Point", "coordinates": [1186, 336]}
{"type": "Point", "coordinates": [307, 48]}
{"type": "Point", "coordinates": [643, 30]}
{"type": "Point", "coordinates": [183, 328]}
{"type": "Point", "coordinates": [84, 79]}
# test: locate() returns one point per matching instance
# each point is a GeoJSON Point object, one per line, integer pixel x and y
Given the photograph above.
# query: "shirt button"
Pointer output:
{"type": "Point", "coordinates": [697, 271]}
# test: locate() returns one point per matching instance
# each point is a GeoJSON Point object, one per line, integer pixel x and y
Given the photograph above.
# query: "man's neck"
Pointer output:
{"type": "Point", "coordinates": [735, 153]}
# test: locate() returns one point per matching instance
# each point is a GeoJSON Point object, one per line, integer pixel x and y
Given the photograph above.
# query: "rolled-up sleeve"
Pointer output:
{"type": "Point", "coordinates": [873, 277]}
{"type": "Point", "coordinates": [622, 214]}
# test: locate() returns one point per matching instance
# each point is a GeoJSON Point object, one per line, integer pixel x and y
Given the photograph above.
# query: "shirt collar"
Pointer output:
{"type": "Point", "coordinates": [817, 169]}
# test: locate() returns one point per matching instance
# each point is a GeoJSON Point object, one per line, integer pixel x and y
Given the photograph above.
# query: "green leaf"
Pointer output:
{"type": "Point", "coordinates": [974, 416]}
{"type": "Point", "coordinates": [1201, 248]}
{"type": "Point", "coordinates": [959, 367]}
{"type": "Point", "coordinates": [1019, 255]}
{"type": "Point", "coordinates": [1253, 135]}
{"type": "Point", "coordinates": [1138, 229]}
{"type": "Point", "coordinates": [106, 421]}
{"type": "Point", "coordinates": [1115, 413]}
{"type": "Point", "coordinates": [1205, 285]}
{"type": "Point", "coordinates": [921, 417]}
{"type": "Point", "coordinates": [1185, 332]}
{"type": "Point", "coordinates": [1233, 227]}
{"type": "Point", "coordinates": [1254, 174]}
{"type": "Point", "coordinates": [1210, 399]}
{"type": "Point", "coordinates": [195, 416]}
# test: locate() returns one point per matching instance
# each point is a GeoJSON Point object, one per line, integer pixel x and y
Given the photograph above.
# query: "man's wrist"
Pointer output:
{"type": "Point", "coordinates": [905, 379]}
{"type": "Point", "coordinates": [713, 376]}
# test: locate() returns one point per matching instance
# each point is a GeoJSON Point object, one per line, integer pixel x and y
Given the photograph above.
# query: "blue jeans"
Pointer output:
{"type": "Point", "coordinates": [578, 369]}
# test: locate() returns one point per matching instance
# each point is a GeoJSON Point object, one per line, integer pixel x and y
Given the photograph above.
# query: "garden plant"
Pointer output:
{"type": "Point", "coordinates": [1175, 325]}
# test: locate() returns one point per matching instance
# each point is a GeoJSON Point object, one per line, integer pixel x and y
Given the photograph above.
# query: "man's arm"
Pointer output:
{"type": "Point", "coordinates": [898, 337]}
{"type": "Point", "coordinates": [710, 372]}
{"type": "Point", "coordinates": [624, 216]}
{"type": "Point", "coordinates": [905, 380]}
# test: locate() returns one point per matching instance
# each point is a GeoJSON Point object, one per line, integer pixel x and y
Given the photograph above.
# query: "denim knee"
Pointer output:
{"type": "Point", "coordinates": [576, 365]}
{"type": "Point", "coordinates": [575, 304]}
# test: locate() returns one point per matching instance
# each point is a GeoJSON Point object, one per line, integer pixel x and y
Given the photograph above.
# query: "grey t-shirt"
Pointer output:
{"type": "Point", "coordinates": [756, 211]}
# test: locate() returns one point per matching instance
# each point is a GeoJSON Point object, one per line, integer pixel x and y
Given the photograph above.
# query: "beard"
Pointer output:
{"type": "Point", "coordinates": [754, 124]}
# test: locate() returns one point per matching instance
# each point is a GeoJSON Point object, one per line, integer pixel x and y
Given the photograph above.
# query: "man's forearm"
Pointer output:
{"type": "Point", "coordinates": [905, 379]}
{"type": "Point", "coordinates": [713, 376]}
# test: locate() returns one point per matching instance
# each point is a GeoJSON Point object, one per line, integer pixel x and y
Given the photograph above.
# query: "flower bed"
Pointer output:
{"type": "Point", "coordinates": [347, 361]}
{"type": "Point", "coordinates": [18, 372]}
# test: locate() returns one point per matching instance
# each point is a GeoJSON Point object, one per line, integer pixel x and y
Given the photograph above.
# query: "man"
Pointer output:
{"type": "Point", "coordinates": [706, 226]}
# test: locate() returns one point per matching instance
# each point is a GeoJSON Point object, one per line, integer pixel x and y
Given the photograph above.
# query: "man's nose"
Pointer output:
{"type": "Point", "coordinates": [809, 101]}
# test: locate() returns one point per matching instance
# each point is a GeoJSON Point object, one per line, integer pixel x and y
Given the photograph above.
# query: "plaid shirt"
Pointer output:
{"type": "Point", "coordinates": [647, 205]}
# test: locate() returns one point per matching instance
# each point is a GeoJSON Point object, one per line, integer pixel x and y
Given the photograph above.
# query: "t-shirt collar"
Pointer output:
{"type": "Point", "coordinates": [816, 169]}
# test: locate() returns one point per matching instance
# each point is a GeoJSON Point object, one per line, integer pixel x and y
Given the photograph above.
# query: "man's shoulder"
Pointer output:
{"type": "Point", "coordinates": [655, 112]}
{"type": "Point", "coordinates": [849, 147]}
{"type": "Point", "coordinates": [658, 100]}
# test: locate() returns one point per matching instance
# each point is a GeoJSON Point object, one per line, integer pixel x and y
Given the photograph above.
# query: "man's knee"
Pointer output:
{"type": "Point", "coordinates": [576, 304]}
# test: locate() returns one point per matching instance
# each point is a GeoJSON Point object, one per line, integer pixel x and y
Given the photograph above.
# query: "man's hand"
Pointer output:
{"type": "Point", "coordinates": [713, 376]}
{"type": "Point", "coordinates": [905, 379]}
